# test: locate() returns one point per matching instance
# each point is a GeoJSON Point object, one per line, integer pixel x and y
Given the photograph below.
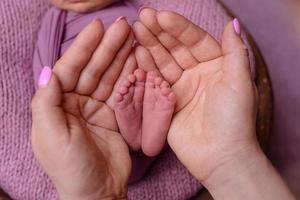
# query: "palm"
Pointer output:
{"type": "Point", "coordinates": [199, 124]}
{"type": "Point", "coordinates": [94, 123]}
{"type": "Point", "coordinates": [209, 99]}
{"type": "Point", "coordinates": [95, 144]}
{"type": "Point", "coordinates": [89, 113]}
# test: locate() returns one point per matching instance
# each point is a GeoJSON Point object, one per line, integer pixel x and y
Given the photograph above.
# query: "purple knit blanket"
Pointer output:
{"type": "Point", "coordinates": [20, 174]}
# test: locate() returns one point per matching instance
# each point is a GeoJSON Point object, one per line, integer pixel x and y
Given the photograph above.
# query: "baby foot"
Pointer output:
{"type": "Point", "coordinates": [158, 107]}
{"type": "Point", "coordinates": [129, 108]}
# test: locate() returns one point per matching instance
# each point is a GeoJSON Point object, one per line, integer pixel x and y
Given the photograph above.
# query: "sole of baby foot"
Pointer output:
{"type": "Point", "coordinates": [158, 108]}
{"type": "Point", "coordinates": [129, 108]}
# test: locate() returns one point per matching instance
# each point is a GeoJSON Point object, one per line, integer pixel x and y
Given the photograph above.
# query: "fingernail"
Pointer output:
{"type": "Point", "coordinates": [121, 18]}
{"type": "Point", "coordinates": [45, 76]}
{"type": "Point", "coordinates": [237, 26]}
{"type": "Point", "coordinates": [142, 8]}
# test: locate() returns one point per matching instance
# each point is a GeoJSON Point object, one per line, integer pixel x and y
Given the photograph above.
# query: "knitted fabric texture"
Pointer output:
{"type": "Point", "coordinates": [20, 175]}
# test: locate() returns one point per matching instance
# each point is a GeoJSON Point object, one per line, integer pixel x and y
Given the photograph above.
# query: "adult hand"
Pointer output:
{"type": "Point", "coordinates": [214, 124]}
{"type": "Point", "coordinates": [213, 131]}
{"type": "Point", "coordinates": [74, 133]}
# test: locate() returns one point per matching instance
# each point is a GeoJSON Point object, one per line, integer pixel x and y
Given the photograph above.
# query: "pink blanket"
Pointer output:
{"type": "Point", "coordinates": [20, 174]}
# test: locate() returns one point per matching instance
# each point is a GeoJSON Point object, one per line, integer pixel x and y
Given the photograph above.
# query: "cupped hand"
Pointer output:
{"type": "Point", "coordinates": [215, 116]}
{"type": "Point", "coordinates": [74, 133]}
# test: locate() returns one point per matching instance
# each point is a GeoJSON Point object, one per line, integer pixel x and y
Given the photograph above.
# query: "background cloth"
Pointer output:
{"type": "Point", "coordinates": [20, 174]}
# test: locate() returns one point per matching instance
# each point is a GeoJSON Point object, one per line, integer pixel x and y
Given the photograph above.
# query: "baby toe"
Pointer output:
{"type": "Point", "coordinates": [140, 75]}
{"type": "Point", "coordinates": [123, 90]}
{"type": "Point", "coordinates": [131, 78]}
{"type": "Point", "coordinates": [164, 84]}
{"type": "Point", "coordinates": [166, 91]}
{"type": "Point", "coordinates": [172, 97]}
{"type": "Point", "coordinates": [118, 97]}
{"type": "Point", "coordinates": [127, 83]}
{"type": "Point", "coordinates": [152, 75]}
{"type": "Point", "coordinates": [168, 94]}
{"type": "Point", "coordinates": [158, 81]}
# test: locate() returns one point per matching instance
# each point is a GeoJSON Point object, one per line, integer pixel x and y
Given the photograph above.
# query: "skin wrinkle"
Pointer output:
{"type": "Point", "coordinates": [183, 33]}
{"type": "Point", "coordinates": [176, 48]}
{"type": "Point", "coordinates": [80, 108]}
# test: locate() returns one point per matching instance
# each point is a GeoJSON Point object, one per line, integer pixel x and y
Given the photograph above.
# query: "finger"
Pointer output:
{"type": "Point", "coordinates": [69, 66]}
{"type": "Point", "coordinates": [107, 82]}
{"type": "Point", "coordinates": [202, 46]}
{"type": "Point", "coordinates": [108, 48]}
{"type": "Point", "coordinates": [49, 122]}
{"type": "Point", "coordinates": [129, 67]}
{"type": "Point", "coordinates": [144, 59]}
{"type": "Point", "coordinates": [180, 52]}
{"type": "Point", "coordinates": [168, 67]}
{"type": "Point", "coordinates": [236, 60]}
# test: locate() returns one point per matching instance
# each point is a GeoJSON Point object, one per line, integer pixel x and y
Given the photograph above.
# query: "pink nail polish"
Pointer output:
{"type": "Point", "coordinates": [121, 18]}
{"type": "Point", "coordinates": [45, 76]}
{"type": "Point", "coordinates": [237, 26]}
{"type": "Point", "coordinates": [142, 8]}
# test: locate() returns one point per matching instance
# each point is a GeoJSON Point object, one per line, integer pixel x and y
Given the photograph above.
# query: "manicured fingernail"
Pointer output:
{"type": "Point", "coordinates": [142, 8]}
{"type": "Point", "coordinates": [121, 18]}
{"type": "Point", "coordinates": [237, 26]}
{"type": "Point", "coordinates": [45, 76]}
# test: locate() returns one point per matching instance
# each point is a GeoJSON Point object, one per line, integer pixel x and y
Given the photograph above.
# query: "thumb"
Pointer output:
{"type": "Point", "coordinates": [49, 122]}
{"type": "Point", "coordinates": [236, 60]}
